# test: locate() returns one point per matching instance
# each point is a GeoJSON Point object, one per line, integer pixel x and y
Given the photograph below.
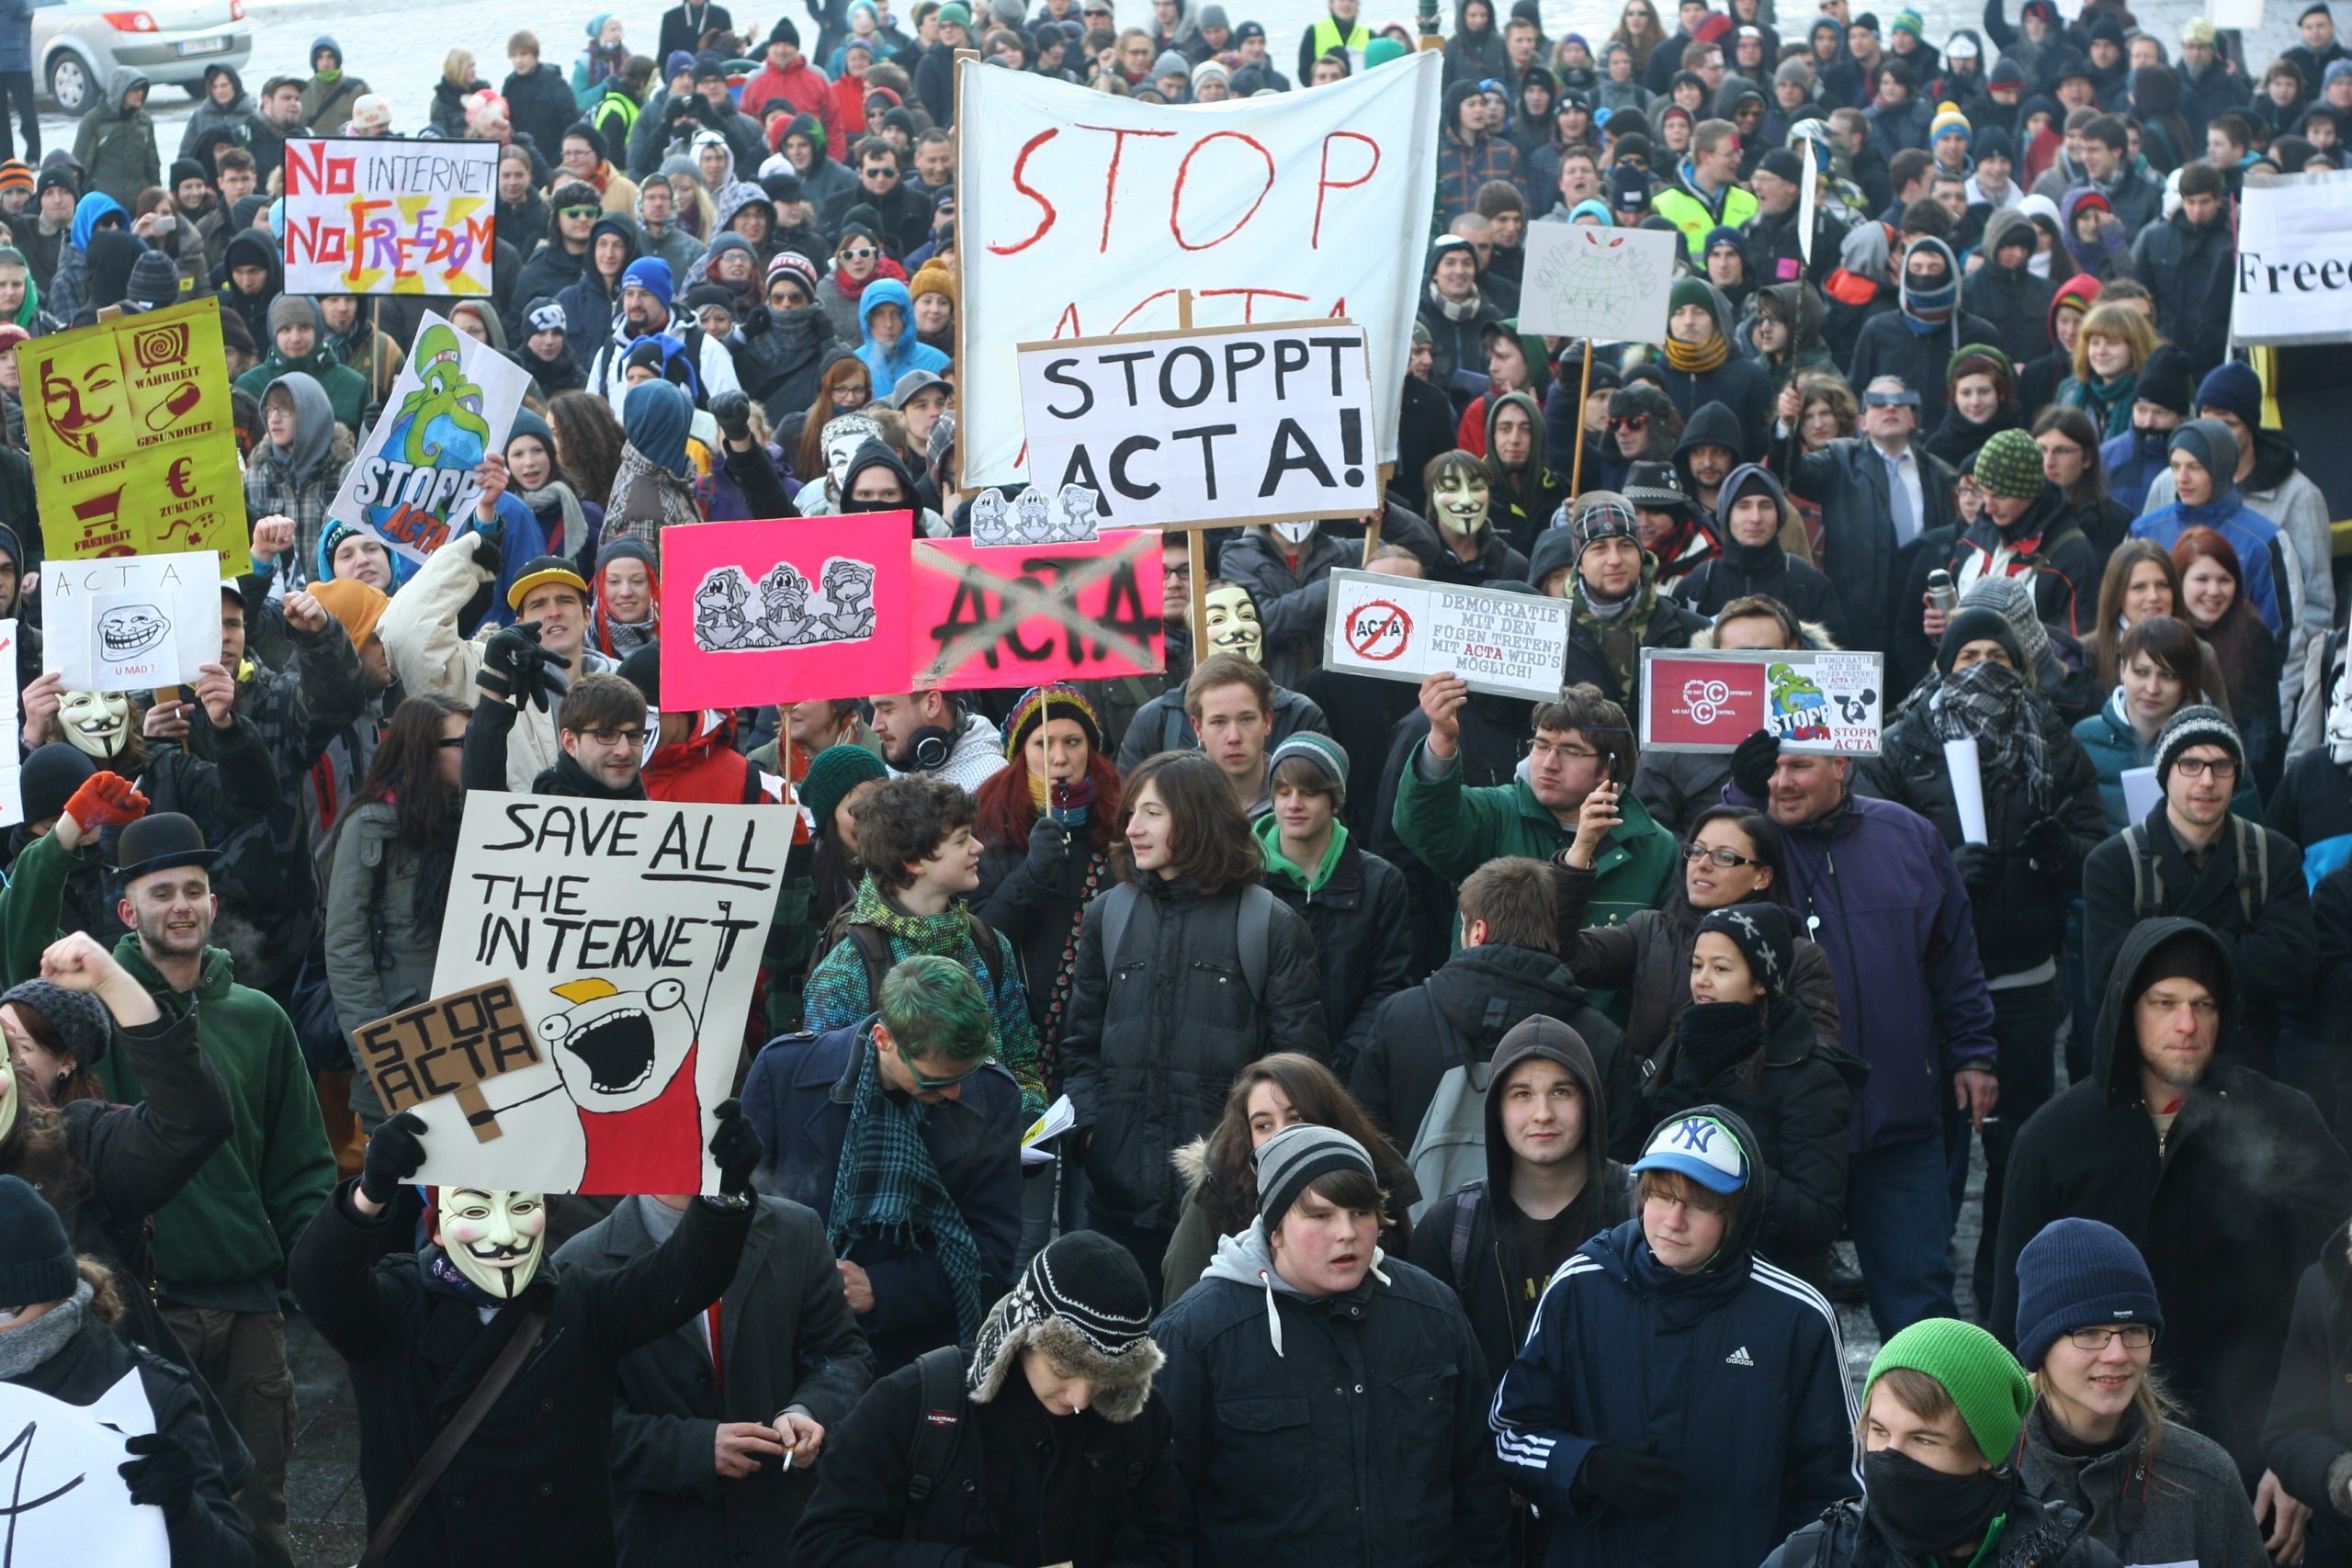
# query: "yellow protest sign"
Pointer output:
{"type": "Point", "coordinates": [134, 450]}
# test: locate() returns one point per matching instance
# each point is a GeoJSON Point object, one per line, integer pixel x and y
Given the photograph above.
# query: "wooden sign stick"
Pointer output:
{"type": "Point", "coordinates": [1583, 392]}
{"type": "Point", "coordinates": [479, 1115]}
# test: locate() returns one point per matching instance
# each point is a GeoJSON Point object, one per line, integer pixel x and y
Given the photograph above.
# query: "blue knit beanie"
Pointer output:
{"type": "Point", "coordinates": [2232, 386]}
{"type": "Point", "coordinates": [2074, 1274]}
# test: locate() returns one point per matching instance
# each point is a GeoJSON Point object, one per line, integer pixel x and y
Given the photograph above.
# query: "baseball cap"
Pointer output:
{"type": "Point", "coordinates": [1699, 1147]}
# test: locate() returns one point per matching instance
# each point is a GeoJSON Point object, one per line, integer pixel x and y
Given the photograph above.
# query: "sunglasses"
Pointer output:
{"type": "Point", "coordinates": [1636, 422]}
{"type": "Point", "coordinates": [862, 253]}
{"type": "Point", "coordinates": [786, 297]}
{"type": "Point", "coordinates": [579, 212]}
{"type": "Point", "coordinates": [933, 1086]}
{"type": "Point", "coordinates": [453, 743]}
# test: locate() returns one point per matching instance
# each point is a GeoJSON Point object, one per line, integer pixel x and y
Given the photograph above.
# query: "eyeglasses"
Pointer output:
{"type": "Point", "coordinates": [2135, 1337]}
{"type": "Point", "coordinates": [579, 212]}
{"type": "Point", "coordinates": [453, 743]}
{"type": "Point", "coordinates": [860, 252]}
{"type": "Point", "coordinates": [632, 736]}
{"type": "Point", "coordinates": [1636, 422]}
{"type": "Point", "coordinates": [1721, 857]}
{"type": "Point", "coordinates": [1536, 748]}
{"type": "Point", "coordinates": [2222, 768]}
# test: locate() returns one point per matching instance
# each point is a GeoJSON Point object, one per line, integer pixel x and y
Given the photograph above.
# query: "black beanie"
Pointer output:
{"type": "Point", "coordinates": [83, 1025]}
{"type": "Point", "coordinates": [36, 1261]}
{"type": "Point", "coordinates": [1977, 623]}
{"type": "Point", "coordinates": [51, 776]}
{"type": "Point", "coordinates": [2165, 380]}
{"type": "Point", "coordinates": [1765, 938]}
{"type": "Point", "coordinates": [642, 669]}
{"type": "Point", "coordinates": [2190, 954]}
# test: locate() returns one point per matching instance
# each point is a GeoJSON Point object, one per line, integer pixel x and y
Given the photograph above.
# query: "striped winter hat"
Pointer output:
{"type": "Point", "coordinates": [1083, 1301]}
{"type": "Point", "coordinates": [1948, 121]}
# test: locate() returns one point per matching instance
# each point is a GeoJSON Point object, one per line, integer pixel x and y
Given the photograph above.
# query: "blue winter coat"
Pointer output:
{"type": "Point", "coordinates": [888, 365]}
{"type": "Point", "coordinates": [798, 1097]}
{"type": "Point", "coordinates": [1894, 917]}
{"type": "Point", "coordinates": [2269, 586]}
{"type": "Point", "coordinates": [1737, 1374]}
{"type": "Point", "coordinates": [2131, 461]}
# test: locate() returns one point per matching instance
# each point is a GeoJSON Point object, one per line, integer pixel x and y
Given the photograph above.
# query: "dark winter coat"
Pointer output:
{"type": "Point", "coordinates": [1019, 1485]}
{"type": "Point", "coordinates": [1159, 1028]}
{"type": "Point", "coordinates": [1667, 624]}
{"type": "Point", "coordinates": [205, 1531]}
{"type": "Point", "coordinates": [2020, 917]}
{"type": "Point", "coordinates": [2048, 547]}
{"type": "Point", "coordinates": [2191, 270]}
{"type": "Point", "coordinates": [2036, 1535]}
{"type": "Point", "coordinates": [1742, 570]}
{"type": "Point", "coordinates": [2014, 303]}
{"type": "Point", "coordinates": [1483, 993]}
{"type": "Point", "coordinates": [786, 1338]}
{"type": "Point", "coordinates": [1360, 920]}
{"type": "Point", "coordinates": [1499, 1287]}
{"type": "Point", "coordinates": [1887, 346]}
{"type": "Point", "coordinates": [1739, 384]}
{"type": "Point", "coordinates": [2310, 1425]}
{"type": "Point", "coordinates": [2183, 1507]}
{"type": "Point", "coordinates": [1848, 479]}
{"type": "Point", "coordinates": [797, 1097]}
{"type": "Point", "coordinates": [782, 357]}
{"type": "Point", "coordinates": [540, 106]}
{"type": "Point", "coordinates": [539, 1461]}
{"type": "Point", "coordinates": [1292, 596]}
{"type": "Point", "coordinates": [1399, 1473]}
{"type": "Point", "coordinates": [1160, 725]}
{"type": "Point", "coordinates": [2275, 952]}
{"type": "Point", "coordinates": [1736, 1374]}
{"type": "Point", "coordinates": [1893, 921]}
{"type": "Point", "coordinates": [2227, 1208]}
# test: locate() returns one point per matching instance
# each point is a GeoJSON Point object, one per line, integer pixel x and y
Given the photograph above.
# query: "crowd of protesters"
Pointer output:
{"type": "Point", "coordinates": [1474, 1115]}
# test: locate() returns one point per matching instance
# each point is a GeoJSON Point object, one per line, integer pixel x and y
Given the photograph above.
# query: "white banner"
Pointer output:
{"type": "Point", "coordinates": [380, 215]}
{"type": "Point", "coordinates": [1083, 215]}
{"type": "Point", "coordinates": [412, 483]}
{"type": "Point", "coordinates": [69, 1503]}
{"type": "Point", "coordinates": [1225, 424]}
{"type": "Point", "coordinates": [1581, 281]}
{"type": "Point", "coordinates": [1514, 645]}
{"type": "Point", "coordinates": [631, 932]}
{"type": "Point", "coordinates": [2294, 260]}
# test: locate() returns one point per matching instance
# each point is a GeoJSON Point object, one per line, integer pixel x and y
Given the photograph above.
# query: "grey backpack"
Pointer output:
{"type": "Point", "coordinates": [1449, 1146]}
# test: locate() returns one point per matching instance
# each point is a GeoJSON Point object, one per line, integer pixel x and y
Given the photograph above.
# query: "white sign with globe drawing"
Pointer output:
{"type": "Point", "coordinates": [1583, 281]}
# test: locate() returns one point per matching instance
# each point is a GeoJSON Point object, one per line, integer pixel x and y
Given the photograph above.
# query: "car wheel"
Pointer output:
{"type": "Point", "coordinates": [69, 83]}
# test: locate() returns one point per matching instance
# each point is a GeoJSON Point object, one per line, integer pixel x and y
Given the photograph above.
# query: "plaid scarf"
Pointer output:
{"type": "Point", "coordinates": [886, 1187]}
{"type": "Point", "coordinates": [1991, 703]}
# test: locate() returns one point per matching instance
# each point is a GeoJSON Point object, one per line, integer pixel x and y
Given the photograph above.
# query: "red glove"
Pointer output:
{"type": "Point", "coordinates": [105, 800]}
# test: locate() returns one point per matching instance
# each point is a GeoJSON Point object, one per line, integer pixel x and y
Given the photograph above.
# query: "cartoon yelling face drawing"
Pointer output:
{"type": "Point", "coordinates": [627, 1059]}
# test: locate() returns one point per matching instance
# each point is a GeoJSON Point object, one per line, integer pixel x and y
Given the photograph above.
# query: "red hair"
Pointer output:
{"type": "Point", "coordinates": [2207, 544]}
{"type": "Point", "coordinates": [601, 617]}
{"type": "Point", "coordinates": [1006, 814]}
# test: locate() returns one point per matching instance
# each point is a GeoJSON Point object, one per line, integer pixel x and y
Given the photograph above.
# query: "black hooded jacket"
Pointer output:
{"type": "Point", "coordinates": [1483, 992]}
{"type": "Point", "coordinates": [1501, 1279]}
{"type": "Point", "coordinates": [2228, 1207]}
{"type": "Point", "coordinates": [251, 247]}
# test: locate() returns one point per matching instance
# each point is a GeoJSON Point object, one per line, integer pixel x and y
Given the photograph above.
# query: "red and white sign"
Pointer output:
{"type": "Point", "coordinates": [1083, 216]}
{"type": "Point", "coordinates": [1709, 700]}
{"type": "Point", "coordinates": [1514, 645]}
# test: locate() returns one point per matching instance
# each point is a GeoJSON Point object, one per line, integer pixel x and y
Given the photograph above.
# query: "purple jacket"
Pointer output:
{"type": "Point", "coordinates": [1880, 894]}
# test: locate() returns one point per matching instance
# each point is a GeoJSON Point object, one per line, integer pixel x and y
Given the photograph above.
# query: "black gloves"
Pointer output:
{"type": "Point", "coordinates": [754, 324]}
{"type": "Point", "coordinates": [395, 1153]}
{"type": "Point", "coordinates": [489, 557]}
{"type": "Point", "coordinates": [1980, 865]}
{"type": "Point", "coordinates": [733, 412]}
{"type": "Point", "coordinates": [735, 1149]}
{"type": "Point", "coordinates": [1753, 761]}
{"type": "Point", "coordinates": [515, 666]}
{"type": "Point", "coordinates": [1635, 1480]}
{"type": "Point", "coordinates": [2045, 845]}
{"type": "Point", "coordinates": [1048, 844]}
{"type": "Point", "coordinates": [162, 1474]}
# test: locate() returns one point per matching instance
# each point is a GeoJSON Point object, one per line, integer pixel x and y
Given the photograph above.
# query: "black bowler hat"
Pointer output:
{"type": "Point", "coordinates": [159, 842]}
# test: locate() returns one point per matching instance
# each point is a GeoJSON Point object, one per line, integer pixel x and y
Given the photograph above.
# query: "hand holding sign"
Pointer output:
{"type": "Point", "coordinates": [395, 1153]}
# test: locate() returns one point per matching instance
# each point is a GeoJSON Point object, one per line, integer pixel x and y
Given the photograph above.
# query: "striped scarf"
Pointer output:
{"type": "Point", "coordinates": [1697, 359]}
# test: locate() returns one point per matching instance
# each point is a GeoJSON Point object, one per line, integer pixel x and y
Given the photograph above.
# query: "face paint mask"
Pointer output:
{"type": "Point", "coordinates": [95, 723]}
{"type": "Point", "coordinates": [1462, 504]}
{"type": "Point", "coordinates": [493, 1237]}
{"type": "Point", "coordinates": [1294, 533]}
{"type": "Point", "coordinates": [844, 434]}
{"type": "Point", "coordinates": [1233, 624]}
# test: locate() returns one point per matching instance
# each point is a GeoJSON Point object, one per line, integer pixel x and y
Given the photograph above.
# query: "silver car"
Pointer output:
{"type": "Point", "coordinates": [76, 43]}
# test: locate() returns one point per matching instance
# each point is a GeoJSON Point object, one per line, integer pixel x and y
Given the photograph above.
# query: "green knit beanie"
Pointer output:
{"type": "Point", "coordinates": [2010, 465]}
{"type": "Point", "coordinates": [1984, 1381]}
{"type": "Point", "coordinates": [1694, 291]}
{"type": "Point", "coordinates": [833, 774]}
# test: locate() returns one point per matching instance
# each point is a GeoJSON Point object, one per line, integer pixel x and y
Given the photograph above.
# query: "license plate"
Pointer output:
{"type": "Point", "coordinates": [200, 46]}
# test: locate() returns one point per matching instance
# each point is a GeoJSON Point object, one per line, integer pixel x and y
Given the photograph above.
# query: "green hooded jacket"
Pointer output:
{"type": "Point", "coordinates": [346, 388]}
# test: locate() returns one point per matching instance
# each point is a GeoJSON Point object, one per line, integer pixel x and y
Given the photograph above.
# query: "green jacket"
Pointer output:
{"type": "Point", "coordinates": [346, 388]}
{"type": "Point", "coordinates": [238, 1218]}
{"type": "Point", "coordinates": [1456, 830]}
{"type": "Point", "coordinates": [115, 147]}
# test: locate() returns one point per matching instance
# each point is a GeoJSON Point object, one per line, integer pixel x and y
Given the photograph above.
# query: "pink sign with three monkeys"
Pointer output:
{"type": "Point", "coordinates": [791, 610]}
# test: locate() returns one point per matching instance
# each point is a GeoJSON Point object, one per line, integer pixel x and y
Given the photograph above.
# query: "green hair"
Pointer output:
{"type": "Point", "coordinates": [932, 1006]}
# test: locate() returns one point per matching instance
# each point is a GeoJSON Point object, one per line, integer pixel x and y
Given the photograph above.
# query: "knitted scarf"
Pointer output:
{"type": "Point", "coordinates": [1455, 310]}
{"type": "Point", "coordinates": [886, 1188]}
{"type": "Point", "coordinates": [1991, 703]}
{"type": "Point", "coordinates": [1620, 635]}
{"type": "Point", "coordinates": [572, 532]}
{"type": "Point", "coordinates": [1925, 310]}
{"type": "Point", "coordinates": [22, 1350]}
{"type": "Point", "coordinates": [836, 994]}
{"type": "Point", "coordinates": [1697, 359]}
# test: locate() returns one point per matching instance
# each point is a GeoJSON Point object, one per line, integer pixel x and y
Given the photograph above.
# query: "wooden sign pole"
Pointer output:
{"type": "Point", "coordinates": [1196, 537]}
{"type": "Point", "coordinates": [1583, 392]}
